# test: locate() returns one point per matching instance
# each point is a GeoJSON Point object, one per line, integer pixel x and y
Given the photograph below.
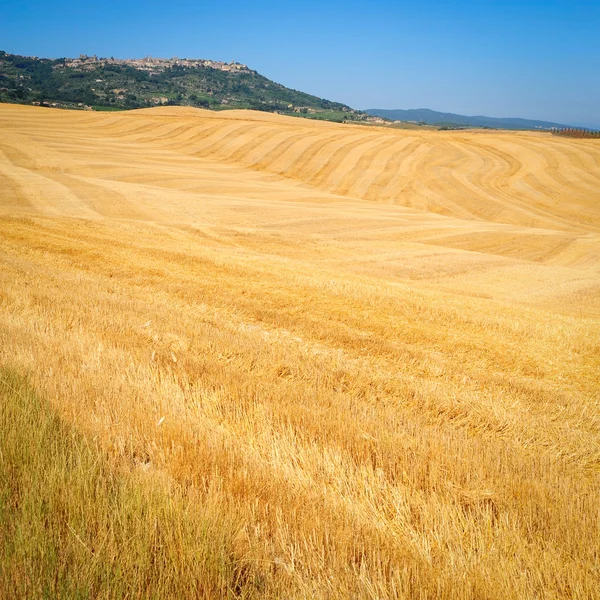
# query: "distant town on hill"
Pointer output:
{"type": "Point", "coordinates": [95, 83]}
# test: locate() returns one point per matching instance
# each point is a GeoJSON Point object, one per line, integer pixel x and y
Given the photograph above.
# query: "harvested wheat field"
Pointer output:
{"type": "Point", "coordinates": [250, 356]}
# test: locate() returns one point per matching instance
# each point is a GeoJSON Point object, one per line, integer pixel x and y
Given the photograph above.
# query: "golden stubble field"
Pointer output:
{"type": "Point", "coordinates": [366, 361]}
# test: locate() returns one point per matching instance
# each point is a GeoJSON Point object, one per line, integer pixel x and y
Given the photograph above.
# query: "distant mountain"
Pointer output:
{"type": "Point", "coordinates": [432, 117]}
{"type": "Point", "coordinates": [119, 84]}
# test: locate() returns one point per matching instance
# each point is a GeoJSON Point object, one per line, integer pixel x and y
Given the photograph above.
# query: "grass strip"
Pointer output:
{"type": "Point", "coordinates": [72, 525]}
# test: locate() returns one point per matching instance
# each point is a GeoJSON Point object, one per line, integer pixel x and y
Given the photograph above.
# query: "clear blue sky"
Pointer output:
{"type": "Point", "coordinates": [503, 58]}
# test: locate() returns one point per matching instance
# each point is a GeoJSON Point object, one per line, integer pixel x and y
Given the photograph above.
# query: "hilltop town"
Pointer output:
{"type": "Point", "coordinates": [152, 65]}
{"type": "Point", "coordinates": [94, 83]}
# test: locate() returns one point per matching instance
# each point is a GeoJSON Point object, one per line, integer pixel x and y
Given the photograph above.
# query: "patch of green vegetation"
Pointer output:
{"type": "Point", "coordinates": [108, 108]}
{"type": "Point", "coordinates": [73, 526]}
{"type": "Point", "coordinates": [99, 84]}
{"type": "Point", "coordinates": [325, 115]}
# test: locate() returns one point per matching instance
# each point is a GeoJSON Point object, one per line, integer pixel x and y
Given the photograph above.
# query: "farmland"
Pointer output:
{"type": "Point", "coordinates": [271, 357]}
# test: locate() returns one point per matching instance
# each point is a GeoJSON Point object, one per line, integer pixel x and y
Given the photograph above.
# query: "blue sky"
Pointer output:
{"type": "Point", "coordinates": [500, 58]}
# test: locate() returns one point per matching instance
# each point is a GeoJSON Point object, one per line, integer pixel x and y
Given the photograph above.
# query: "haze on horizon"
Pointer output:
{"type": "Point", "coordinates": [532, 59]}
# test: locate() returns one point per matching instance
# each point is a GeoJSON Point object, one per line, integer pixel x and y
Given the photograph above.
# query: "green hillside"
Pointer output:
{"type": "Point", "coordinates": [111, 84]}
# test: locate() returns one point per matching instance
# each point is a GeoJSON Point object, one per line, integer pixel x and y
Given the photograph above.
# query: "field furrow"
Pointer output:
{"type": "Point", "coordinates": [294, 359]}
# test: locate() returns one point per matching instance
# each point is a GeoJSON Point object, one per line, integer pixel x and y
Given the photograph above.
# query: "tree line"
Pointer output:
{"type": "Point", "coordinates": [575, 132]}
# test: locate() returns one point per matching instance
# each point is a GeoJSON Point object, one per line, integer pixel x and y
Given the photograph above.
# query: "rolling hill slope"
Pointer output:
{"type": "Point", "coordinates": [353, 362]}
{"type": "Point", "coordinates": [521, 179]}
{"type": "Point", "coordinates": [115, 84]}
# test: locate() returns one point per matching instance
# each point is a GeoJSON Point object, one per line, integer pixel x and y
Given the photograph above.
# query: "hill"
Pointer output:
{"type": "Point", "coordinates": [118, 84]}
{"type": "Point", "coordinates": [432, 117]}
{"type": "Point", "coordinates": [249, 356]}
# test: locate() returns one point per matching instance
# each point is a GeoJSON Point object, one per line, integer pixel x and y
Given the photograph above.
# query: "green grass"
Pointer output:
{"type": "Point", "coordinates": [336, 116]}
{"type": "Point", "coordinates": [73, 526]}
{"type": "Point", "coordinates": [108, 108]}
